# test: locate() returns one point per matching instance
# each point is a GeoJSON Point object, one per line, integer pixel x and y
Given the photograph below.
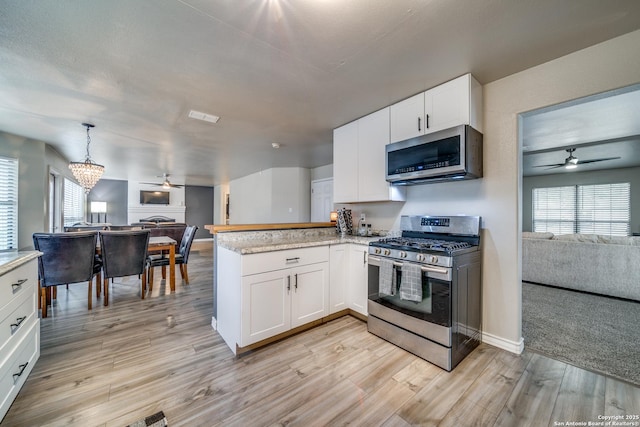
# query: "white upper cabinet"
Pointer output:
{"type": "Point", "coordinates": [456, 102]}
{"type": "Point", "coordinates": [345, 167]}
{"type": "Point", "coordinates": [408, 118]}
{"type": "Point", "coordinates": [359, 161]}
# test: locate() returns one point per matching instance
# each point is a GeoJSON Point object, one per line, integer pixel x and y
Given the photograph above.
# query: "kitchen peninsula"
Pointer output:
{"type": "Point", "coordinates": [274, 280]}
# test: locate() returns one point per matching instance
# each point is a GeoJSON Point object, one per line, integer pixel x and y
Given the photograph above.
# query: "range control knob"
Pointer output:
{"type": "Point", "coordinates": [377, 251]}
{"type": "Point", "coordinates": [387, 252]}
{"type": "Point", "coordinates": [433, 259]}
{"type": "Point", "coordinates": [402, 254]}
{"type": "Point", "coordinates": [420, 258]}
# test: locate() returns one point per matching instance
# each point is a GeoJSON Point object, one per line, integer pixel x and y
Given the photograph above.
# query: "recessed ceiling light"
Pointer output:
{"type": "Point", "coordinates": [275, 145]}
{"type": "Point", "coordinates": [198, 115]}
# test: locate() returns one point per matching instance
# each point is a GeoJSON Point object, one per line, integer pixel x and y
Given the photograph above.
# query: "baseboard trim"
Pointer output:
{"type": "Point", "coordinates": [516, 347]}
{"type": "Point", "coordinates": [214, 323]}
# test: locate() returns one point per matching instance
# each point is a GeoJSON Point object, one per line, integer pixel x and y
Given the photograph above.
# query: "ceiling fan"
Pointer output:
{"type": "Point", "coordinates": [572, 162]}
{"type": "Point", "coordinates": [165, 184]}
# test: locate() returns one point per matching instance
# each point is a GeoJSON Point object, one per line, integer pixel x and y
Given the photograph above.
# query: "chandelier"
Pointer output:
{"type": "Point", "coordinates": [88, 172]}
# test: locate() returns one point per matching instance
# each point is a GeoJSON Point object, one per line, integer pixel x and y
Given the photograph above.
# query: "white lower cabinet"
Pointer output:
{"type": "Point", "coordinates": [276, 301]}
{"type": "Point", "coordinates": [19, 328]}
{"type": "Point", "coordinates": [338, 264]}
{"type": "Point", "coordinates": [349, 277]}
{"type": "Point", "coordinates": [263, 295]}
{"type": "Point", "coordinates": [357, 278]}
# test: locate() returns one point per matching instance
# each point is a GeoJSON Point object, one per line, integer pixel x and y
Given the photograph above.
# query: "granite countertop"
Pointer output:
{"type": "Point", "coordinates": [14, 259]}
{"type": "Point", "coordinates": [245, 247]}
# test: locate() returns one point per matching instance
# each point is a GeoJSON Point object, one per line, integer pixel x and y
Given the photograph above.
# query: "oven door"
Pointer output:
{"type": "Point", "coordinates": [435, 306]}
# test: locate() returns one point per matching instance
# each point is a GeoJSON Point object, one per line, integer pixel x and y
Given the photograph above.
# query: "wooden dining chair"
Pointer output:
{"type": "Point", "coordinates": [66, 258]}
{"type": "Point", "coordinates": [182, 257]}
{"type": "Point", "coordinates": [124, 253]}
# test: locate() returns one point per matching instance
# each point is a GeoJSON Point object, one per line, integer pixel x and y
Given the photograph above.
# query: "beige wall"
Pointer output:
{"type": "Point", "coordinates": [35, 160]}
{"type": "Point", "coordinates": [603, 67]}
{"type": "Point", "coordinates": [271, 196]}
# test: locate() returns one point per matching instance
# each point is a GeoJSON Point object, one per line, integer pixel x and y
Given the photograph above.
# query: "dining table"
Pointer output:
{"type": "Point", "coordinates": [166, 243]}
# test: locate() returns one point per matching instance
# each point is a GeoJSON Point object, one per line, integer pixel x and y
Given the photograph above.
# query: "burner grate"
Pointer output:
{"type": "Point", "coordinates": [425, 244]}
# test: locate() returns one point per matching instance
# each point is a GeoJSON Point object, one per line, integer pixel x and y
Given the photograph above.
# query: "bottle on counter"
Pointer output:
{"type": "Point", "coordinates": [362, 227]}
{"type": "Point", "coordinates": [369, 230]}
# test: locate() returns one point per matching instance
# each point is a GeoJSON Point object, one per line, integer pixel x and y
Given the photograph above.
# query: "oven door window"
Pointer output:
{"type": "Point", "coordinates": [435, 306]}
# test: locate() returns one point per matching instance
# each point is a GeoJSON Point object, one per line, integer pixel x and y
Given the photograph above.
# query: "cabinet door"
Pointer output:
{"type": "Point", "coordinates": [338, 263]}
{"type": "Point", "coordinates": [357, 283]}
{"type": "Point", "coordinates": [373, 136]}
{"type": "Point", "coordinates": [407, 118]}
{"type": "Point", "coordinates": [309, 293]}
{"type": "Point", "coordinates": [266, 308]}
{"type": "Point", "coordinates": [345, 163]}
{"type": "Point", "coordinates": [449, 104]}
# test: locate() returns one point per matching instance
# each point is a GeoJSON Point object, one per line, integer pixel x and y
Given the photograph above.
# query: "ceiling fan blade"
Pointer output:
{"type": "Point", "coordinates": [176, 185]}
{"type": "Point", "coordinates": [555, 165]}
{"type": "Point", "coordinates": [151, 183]}
{"type": "Point", "coordinates": [597, 160]}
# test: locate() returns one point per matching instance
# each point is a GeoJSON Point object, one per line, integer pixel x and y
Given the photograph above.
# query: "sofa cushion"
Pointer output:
{"type": "Point", "coordinates": [536, 235]}
{"type": "Point", "coordinates": [584, 238]}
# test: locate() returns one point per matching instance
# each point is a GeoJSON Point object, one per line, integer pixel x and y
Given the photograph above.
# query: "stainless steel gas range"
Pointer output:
{"type": "Point", "coordinates": [425, 288]}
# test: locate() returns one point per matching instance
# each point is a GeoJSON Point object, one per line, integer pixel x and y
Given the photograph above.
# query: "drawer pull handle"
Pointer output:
{"type": "Point", "coordinates": [16, 286]}
{"type": "Point", "coordinates": [295, 259]}
{"type": "Point", "coordinates": [19, 374]}
{"type": "Point", "coordinates": [15, 326]}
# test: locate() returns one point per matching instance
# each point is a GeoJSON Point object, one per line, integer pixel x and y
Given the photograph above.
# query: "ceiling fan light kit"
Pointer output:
{"type": "Point", "coordinates": [572, 162]}
{"type": "Point", "coordinates": [165, 184]}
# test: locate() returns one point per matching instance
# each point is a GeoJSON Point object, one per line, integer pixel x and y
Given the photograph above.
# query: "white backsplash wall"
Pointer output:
{"type": "Point", "coordinates": [381, 216]}
{"type": "Point", "coordinates": [135, 211]}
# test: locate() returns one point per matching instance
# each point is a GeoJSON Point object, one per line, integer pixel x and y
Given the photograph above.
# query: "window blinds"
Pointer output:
{"type": "Point", "coordinates": [8, 204]}
{"type": "Point", "coordinates": [604, 209]}
{"type": "Point", "coordinates": [73, 203]}
{"type": "Point", "coordinates": [588, 209]}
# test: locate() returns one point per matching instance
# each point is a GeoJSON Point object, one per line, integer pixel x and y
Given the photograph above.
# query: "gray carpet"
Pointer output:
{"type": "Point", "coordinates": [593, 332]}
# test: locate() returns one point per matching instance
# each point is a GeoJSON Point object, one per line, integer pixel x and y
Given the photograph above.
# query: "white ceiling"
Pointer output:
{"type": "Point", "coordinates": [275, 71]}
{"type": "Point", "coordinates": [601, 126]}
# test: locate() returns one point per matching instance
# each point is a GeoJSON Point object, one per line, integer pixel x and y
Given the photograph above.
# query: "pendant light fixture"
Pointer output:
{"type": "Point", "coordinates": [87, 173]}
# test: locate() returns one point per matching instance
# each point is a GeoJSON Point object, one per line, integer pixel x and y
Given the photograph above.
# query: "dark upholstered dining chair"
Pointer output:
{"type": "Point", "coordinates": [124, 253]}
{"type": "Point", "coordinates": [182, 257]}
{"type": "Point", "coordinates": [67, 258]}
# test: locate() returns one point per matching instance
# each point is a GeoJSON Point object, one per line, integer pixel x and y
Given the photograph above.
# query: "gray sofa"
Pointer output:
{"type": "Point", "coordinates": [607, 265]}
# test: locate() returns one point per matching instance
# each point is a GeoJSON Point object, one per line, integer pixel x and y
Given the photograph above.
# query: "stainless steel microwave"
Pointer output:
{"type": "Point", "coordinates": [448, 155]}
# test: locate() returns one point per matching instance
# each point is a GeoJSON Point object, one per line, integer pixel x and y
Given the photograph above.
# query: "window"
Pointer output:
{"type": "Point", "coordinates": [8, 204]}
{"type": "Point", "coordinates": [73, 203]}
{"type": "Point", "coordinates": [589, 209]}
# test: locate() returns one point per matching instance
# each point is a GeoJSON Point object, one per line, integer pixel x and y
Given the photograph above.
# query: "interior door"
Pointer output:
{"type": "Point", "coordinates": [321, 199]}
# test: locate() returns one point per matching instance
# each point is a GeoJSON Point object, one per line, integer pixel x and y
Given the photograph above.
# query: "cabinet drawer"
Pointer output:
{"type": "Point", "coordinates": [15, 319]}
{"type": "Point", "coordinates": [277, 260]}
{"type": "Point", "coordinates": [14, 372]}
{"type": "Point", "coordinates": [18, 281]}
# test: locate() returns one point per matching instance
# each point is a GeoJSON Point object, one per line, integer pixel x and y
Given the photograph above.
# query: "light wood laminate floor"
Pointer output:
{"type": "Point", "coordinates": [114, 365]}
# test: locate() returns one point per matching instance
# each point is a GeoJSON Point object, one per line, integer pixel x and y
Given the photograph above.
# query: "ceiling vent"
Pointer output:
{"type": "Point", "coordinates": [203, 116]}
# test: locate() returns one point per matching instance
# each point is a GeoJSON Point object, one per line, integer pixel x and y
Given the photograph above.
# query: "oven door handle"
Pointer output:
{"type": "Point", "coordinates": [431, 269]}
